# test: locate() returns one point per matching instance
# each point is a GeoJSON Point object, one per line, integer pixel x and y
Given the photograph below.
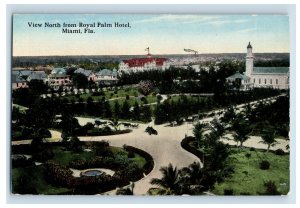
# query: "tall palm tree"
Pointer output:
{"type": "Point", "coordinates": [169, 183]}
{"type": "Point", "coordinates": [269, 139]}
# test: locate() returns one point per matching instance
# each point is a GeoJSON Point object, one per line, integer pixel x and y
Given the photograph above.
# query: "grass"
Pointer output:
{"type": "Point", "coordinates": [33, 176]}
{"type": "Point", "coordinates": [249, 178]}
{"type": "Point", "coordinates": [64, 157]}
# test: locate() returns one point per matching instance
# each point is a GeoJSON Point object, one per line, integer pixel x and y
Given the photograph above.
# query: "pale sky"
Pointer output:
{"type": "Point", "coordinates": [164, 34]}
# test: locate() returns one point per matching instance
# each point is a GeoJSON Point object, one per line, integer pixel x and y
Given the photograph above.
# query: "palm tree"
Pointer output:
{"type": "Point", "coordinates": [269, 140]}
{"type": "Point", "coordinates": [193, 177]}
{"type": "Point", "coordinates": [126, 191]}
{"type": "Point", "coordinates": [115, 124]}
{"type": "Point", "coordinates": [198, 131]}
{"type": "Point", "coordinates": [169, 183]}
{"type": "Point", "coordinates": [242, 132]}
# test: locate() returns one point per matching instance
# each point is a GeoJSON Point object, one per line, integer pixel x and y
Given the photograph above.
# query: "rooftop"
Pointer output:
{"type": "Point", "coordinates": [238, 75]}
{"type": "Point", "coordinates": [142, 61]}
{"type": "Point", "coordinates": [271, 70]}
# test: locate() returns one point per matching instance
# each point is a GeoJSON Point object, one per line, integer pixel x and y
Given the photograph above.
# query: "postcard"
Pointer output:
{"type": "Point", "coordinates": [150, 104]}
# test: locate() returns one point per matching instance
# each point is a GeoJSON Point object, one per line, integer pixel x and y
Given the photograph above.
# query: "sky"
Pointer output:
{"type": "Point", "coordinates": [163, 34]}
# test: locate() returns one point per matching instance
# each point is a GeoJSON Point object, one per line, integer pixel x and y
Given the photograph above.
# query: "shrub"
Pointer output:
{"type": "Point", "coordinates": [279, 152]}
{"type": "Point", "coordinates": [127, 97]}
{"type": "Point", "coordinates": [264, 165]}
{"type": "Point", "coordinates": [252, 149]}
{"type": "Point", "coordinates": [131, 154]}
{"type": "Point", "coordinates": [149, 160]}
{"type": "Point", "coordinates": [228, 192]}
{"type": "Point", "coordinates": [271, 188]}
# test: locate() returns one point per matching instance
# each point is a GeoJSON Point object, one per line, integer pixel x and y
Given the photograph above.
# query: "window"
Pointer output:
{"type": "Point", "coordinates": [277, 81]}
{"type": "Point", "coordinates": [270, 81]}
{"type": "Point", "coordinates": [259, 81]}
{"type": "Point", "coordinates": [265, 81]}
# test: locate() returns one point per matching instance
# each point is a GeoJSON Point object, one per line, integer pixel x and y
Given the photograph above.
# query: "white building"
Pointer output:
{"type": "Point", "coordinates": [143, 64]}
{"type": "Point", "coordinates": [106, 77]}
{"type": "Point", "coordinates": [271, 77]}
{"type": "Point", "coordinates": [274, 77]}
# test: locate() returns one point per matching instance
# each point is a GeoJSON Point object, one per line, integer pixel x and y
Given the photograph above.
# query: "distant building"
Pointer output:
{"type": "Point", "coordinates": [88, 73]}
{"type": "Point", "coordinates": [59, 77]}
{"type": "Point", "coordinates": [272, 77]}
{"type": "Point", "coordinates": [143, 64]}
{"type": "Point", "coordinates": [275, 77]}
{"type": "Point", "coordinates": [239, 81]}
{"type": "Point", "coordinates": [59, 71]}
{"type": "Point", "coordinates": [37, 75]}
{"type": "Point", "coordinates": [17, 81]}
{"type": "Point", "coordinates": [106, 77]}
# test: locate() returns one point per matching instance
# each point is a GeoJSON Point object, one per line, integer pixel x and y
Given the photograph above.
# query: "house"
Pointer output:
{"type": "Point", "coordinates": [17, 81]}
{"type": "Point", "coordinates": [59, 77]}
{"type": "Point", "coordinates": [38, 75]}
{"type": "Point", "coordinates": [57, 80]}
{"type": "Point", "coordinates": [106, 77]}
{"type": "Point", "coordinates": [143, 64]}
{"type": "Point", "coordinates": [88, 73]}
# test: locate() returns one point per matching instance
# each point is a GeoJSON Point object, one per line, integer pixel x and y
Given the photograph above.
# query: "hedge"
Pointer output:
{"type": "Point", "coordinates": [185, 144]}
{"type": "Point", "coordinates": [148, 167]}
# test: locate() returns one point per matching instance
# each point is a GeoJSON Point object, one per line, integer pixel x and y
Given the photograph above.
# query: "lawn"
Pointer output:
{"type": "Point", "coordinates": [33, 177]}
{"type": "Point", "coordinates": [249, 178]}
{"type": "Point", "coordinates": [64, 157]}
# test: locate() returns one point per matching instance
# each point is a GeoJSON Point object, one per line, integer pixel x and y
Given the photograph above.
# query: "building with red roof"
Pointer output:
{"type": "Point", "coordinates": [143, 64]}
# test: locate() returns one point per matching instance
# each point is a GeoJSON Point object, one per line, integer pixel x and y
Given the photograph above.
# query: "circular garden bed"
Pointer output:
{"type": "Point", "coordinates": [54, 175]}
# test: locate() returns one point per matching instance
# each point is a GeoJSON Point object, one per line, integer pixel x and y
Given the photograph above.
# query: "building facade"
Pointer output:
{"type": "Point", "coordinates": [272, 77]}
{"type": "Point", "coordinates": [106, 77]}
{"type": "Point", "coordinates": [143, 64]}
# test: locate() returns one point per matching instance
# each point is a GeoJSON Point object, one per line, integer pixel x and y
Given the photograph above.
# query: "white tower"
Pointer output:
{"type": "Point", "coordinates": [249, 61]}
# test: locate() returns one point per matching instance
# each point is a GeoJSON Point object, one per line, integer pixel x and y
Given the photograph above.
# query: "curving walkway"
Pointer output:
{"type": "Point", "coordinates": [165, 148]}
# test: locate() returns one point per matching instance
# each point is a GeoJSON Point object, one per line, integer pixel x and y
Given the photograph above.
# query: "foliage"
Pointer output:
{"type": "Point", "coordinates": [264, 165]}
{"type": "Point", "coordinates": [271, 188]}
{"type": "Point", "coordinates": [146, 86]}
{"type": "Point", "coordinates": [79, 80]}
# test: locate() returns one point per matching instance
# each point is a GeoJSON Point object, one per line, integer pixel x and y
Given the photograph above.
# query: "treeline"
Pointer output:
{"type": "Point", "coordinates": [185, 107]}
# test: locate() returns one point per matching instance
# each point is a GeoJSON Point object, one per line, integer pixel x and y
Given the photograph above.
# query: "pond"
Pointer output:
{"type": "Point", "coordinates": [92, 173]}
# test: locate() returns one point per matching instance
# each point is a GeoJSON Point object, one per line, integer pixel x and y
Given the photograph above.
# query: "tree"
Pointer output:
{"type": "Point", "coordinates": [80, 80]}
{"type": "Point", "coordinates": [242, 132]}
{"type": "Point", "coordinates": [192, 178]}
{"type": "Point", "coordinates": [37, 87]}
{"type": "Point", "coordinates": [269, 139]}
{"type": "Point", "coordinates": [115, 124]}
{"type": "Point", "coordinates": [107, 110]}
{"type": "Point", "coordinates": [145, 87]}
{"type": "Point", "coordinates": [168, 184]}
{"type": "Point", "coordinates": [136, 111]}
{"type": "Point", "coordinates": [117, 110]}
{"type": "Point", "coordinates": [198, 131]}
{"type": "Point", "coordinates": [125, 110]}
{"type": "Point", "coordinates": [146, 113]}
{"type": "Point", "coordinates": [126, 191]}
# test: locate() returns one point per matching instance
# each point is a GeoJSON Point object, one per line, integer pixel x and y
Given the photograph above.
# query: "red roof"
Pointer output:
{"type": "Point", "coordinates": [142, 61]}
